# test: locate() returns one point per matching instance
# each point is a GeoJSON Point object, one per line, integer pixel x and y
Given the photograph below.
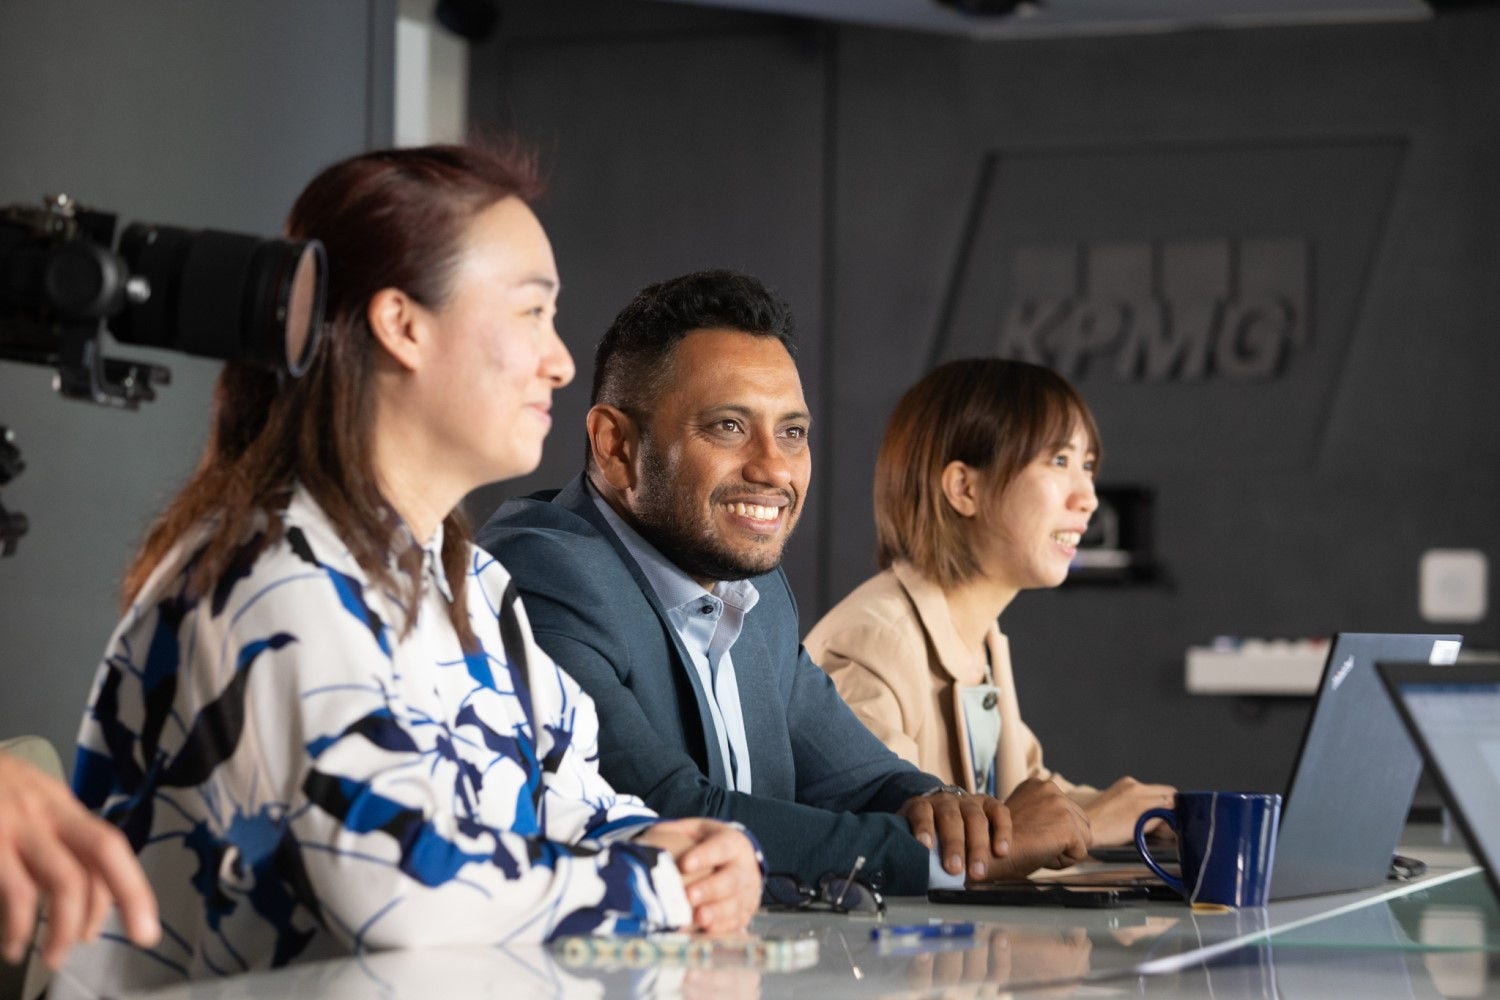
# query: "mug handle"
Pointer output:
{"type": "Point", "coordinates": [1170, 817]}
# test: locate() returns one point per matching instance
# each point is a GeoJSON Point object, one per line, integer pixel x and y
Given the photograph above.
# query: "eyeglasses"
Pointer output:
{"type": "Point", "coordinates": [839, 893]}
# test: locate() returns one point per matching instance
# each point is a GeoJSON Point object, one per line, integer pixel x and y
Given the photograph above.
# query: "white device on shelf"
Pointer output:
{"type": "Point", "coordinates": [1257, 666]}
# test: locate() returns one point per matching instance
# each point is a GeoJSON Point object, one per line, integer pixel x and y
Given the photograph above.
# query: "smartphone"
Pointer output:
{"type": "Point", "coordinates": [1163, 852]}
{"type": "Point", "coordinates": [1140, 879]}
{"type": "Point", "coordinates": [1039, 894]}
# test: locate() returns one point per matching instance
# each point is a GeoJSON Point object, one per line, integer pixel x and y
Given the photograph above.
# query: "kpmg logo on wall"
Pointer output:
{"type": "Point", "coordinates": [1165, 310]}
{"type": "Point", "coordinates": [1203, 294]}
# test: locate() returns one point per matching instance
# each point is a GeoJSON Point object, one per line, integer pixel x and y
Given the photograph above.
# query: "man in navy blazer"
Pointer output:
{"type": "Point", "coordinates": [654, 579]}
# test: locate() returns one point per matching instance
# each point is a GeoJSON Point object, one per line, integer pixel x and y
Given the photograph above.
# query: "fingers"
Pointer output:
{"type": "Point", "coordinates": [725, 902]}
{"type": "Point", "coordinates": [18, 902]}
{"type": "Point", "coordinates": [1134, 791]}
{"type": "Point", "coordinates": [1076, 850]}
{"type": "Point", "coordinates": [1077, 834]}
{"type": "Point", "coordinates": [721, 984]}
{"type": "Point", "coordinates": [1001, 828]}
{"type": "Point", "coordinates": [715, 845]}
{"type": "Point", "coordinates": [719, 870]}
{"type": "Point", "coordinates": [1051, 830]}
{"type": "Point", "coordinates": [117, 874]}
{"type": "Point", "coordinates": [1000, 961]}
{"type": "Point", "coordinates": [1114, 811]}
{"type": "Point", "coordinates": [918, 813]}
{"type": "Point", "coordinates": [969, 830]}
{"type": "Point", "coordinates": [675, 836]}
{"type": "Point", "coordinates": [952, 831]}
{"type": "Point", "coordinates": [98, 908]}
{"type": "Point", "coordinates": [1145, 797]}
{"type": "Point", "coordinates": [728, 914]}
{"type": "Point", "coordinates": [919, 970]}
{"type": "Point", "coordinates": [976, 835]}
{"type": "Point", "coordinates": [67, 886]}
{"type": "Point", "coordinates": [52, 847]}
{"type": "Point", "coordinates": [1159, 829]}
{"type": "Point", "coordinates": [723, 879]}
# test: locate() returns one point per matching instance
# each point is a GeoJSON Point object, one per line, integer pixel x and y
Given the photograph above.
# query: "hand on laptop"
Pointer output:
{"type": "Point", "coordinates": [967, 828]}
{"type": "Point", "coordinates": [1114, 812]}
{"type": "Point", "coordinates": [1050, 831]}
{"type": "Point", "coordinates": [719, 870]}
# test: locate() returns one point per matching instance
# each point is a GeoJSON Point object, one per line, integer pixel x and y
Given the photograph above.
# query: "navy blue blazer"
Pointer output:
{"type": "Point", "coordinates": [825, 788]}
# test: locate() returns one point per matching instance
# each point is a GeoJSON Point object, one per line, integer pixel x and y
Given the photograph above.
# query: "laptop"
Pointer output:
{"type": "Point", "coordinates": [1453, 716]}
{"type": "Point", "coordinates": [1356, 773]}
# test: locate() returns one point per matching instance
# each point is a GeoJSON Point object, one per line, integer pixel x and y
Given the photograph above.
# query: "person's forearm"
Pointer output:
{"type": "Point", "coordinates": [414, 880]}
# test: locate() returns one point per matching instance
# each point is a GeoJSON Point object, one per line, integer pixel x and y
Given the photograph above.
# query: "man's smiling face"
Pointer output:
{"type": "Point", "coordinates": [723, 463]}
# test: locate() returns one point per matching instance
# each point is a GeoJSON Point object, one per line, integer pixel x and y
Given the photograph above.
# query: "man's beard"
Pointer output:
{"type": "Point", "coordinates": [683, 532]}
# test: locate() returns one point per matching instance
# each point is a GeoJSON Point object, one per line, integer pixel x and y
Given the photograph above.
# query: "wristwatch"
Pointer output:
{"type": "Point", "coordinates": [950, 789]}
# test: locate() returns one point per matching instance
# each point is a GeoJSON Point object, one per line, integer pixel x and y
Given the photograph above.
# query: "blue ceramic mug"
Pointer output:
{"type": "Point", "coordinates": [1226, 842]}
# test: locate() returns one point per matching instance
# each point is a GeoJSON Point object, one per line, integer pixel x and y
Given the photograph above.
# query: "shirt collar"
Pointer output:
{"type": "Point", "coordinates": [432, 563]}
{"type": "Point", "coordinates": [303, 508]}
{"type": "Point", "coordinates": [432, 555]}
{"type": "Point", "coordinates": [673, 587]}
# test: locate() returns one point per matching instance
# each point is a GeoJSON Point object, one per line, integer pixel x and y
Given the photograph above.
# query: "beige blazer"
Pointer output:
{"type": "Point", "coordinates": [892, 651]}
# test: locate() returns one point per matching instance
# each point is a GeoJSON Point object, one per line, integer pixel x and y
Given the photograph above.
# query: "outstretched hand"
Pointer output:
{"type": "Point", "coordinates": [52, 847]}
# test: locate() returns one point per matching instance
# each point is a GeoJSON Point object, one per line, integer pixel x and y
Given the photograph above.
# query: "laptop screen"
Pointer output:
{"type": "Point", "coordinates": [1356, 770]}
{"type": "Point", "coordinates": [1454, 716]}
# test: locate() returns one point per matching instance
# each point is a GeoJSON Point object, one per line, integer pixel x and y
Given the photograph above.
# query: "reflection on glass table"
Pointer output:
{"type": "Point", "coordinates": [1428, 939]}
{"type": "Point", "coordinates": [1445, 938]}
{"type": "Point", "coordinates": [462, 973]}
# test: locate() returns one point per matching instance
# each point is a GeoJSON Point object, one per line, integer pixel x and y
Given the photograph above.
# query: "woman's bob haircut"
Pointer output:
{"type": "Point", "coordinates": [991, 414]}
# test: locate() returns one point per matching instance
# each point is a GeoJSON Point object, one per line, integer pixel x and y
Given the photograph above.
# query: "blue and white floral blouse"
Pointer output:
{"type": "Point", "coordinates": [301, 781]}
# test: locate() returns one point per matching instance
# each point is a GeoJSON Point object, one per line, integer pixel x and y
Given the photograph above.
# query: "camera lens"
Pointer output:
{"type": "Point", "coordinates": [224, 295]}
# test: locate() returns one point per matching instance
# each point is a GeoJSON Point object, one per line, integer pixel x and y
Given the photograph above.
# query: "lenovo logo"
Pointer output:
{"type": "Point", "coordinates": [1342, 672]}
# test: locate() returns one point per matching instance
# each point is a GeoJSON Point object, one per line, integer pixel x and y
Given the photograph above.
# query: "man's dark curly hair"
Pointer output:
{"type": "Point", "coordinates": [633, 362]}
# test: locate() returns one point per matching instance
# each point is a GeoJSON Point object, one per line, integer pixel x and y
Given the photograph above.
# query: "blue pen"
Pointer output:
{"type": "Point", "coordinates": [923, 932]}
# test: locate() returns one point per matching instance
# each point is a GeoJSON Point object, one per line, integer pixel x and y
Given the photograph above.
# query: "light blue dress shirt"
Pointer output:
{"type": "Point", "coordinates": [708, 623]}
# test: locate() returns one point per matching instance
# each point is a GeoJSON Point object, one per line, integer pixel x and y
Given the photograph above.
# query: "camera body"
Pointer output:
{"type": "Point", "coordinates": [59, 280]}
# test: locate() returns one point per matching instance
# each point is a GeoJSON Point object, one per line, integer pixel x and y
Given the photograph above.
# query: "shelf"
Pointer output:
{"type": "Point", "coordinates": [1278, 667]}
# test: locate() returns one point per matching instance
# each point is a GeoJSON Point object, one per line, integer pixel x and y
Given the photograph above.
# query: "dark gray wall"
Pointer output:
{"type": "Point", "coordinates": [1297, 504]}
{"type": "Point", "coordinates": [911, 194]}
{"type": "Point", "coordinates": [178, 112]}
{"type": "Point", "coordinates": [673, 142]}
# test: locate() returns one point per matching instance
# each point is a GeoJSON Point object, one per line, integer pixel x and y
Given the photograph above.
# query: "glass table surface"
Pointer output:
{"type": "Point", "coordinates": [1434, 937]}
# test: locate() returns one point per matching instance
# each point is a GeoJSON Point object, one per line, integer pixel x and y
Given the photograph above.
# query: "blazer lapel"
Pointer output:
{"type": "Point", "coordinates": [576, 497]}
{"type": "Point", "coordinates": [772, 768]}
{"type": "Point", "coordinates": [953, 659]}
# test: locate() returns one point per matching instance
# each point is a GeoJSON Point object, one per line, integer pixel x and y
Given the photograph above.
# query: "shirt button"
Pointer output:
{"type": "Point", "coordinates": [990, 700]}
{"type": "Point", "coordinates": [707, 609]}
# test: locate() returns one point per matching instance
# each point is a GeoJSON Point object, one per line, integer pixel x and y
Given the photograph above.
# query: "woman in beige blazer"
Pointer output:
{"type": "Point", "coordinates": [983, 486]}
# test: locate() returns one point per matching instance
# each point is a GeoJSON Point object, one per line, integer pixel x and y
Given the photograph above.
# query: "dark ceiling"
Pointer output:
{"type": "Point", "coordinates": [1043, 18]}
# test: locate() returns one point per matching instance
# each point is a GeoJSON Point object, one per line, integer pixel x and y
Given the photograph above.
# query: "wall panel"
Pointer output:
{"type": "Point", "coordinates": [905, 190]}
{"type": "Point", "coordinates": [175, 112]}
